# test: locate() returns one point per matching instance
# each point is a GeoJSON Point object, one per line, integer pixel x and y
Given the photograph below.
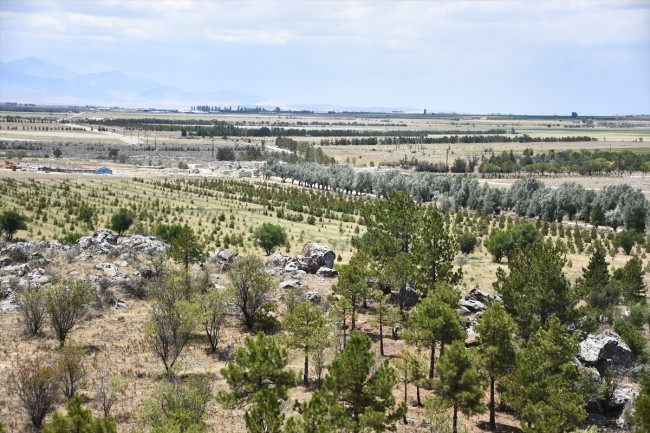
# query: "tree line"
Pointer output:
{"type": "Point", "coordinates": [614, 205]}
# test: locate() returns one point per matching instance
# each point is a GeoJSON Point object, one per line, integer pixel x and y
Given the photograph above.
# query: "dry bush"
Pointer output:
{"type": "Point", "coordinates": [36, 385]}
{"type": "Point", "coordinates": [32, 309]}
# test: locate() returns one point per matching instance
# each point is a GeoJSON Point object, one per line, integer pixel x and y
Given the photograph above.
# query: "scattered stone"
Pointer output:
{"type": "Point", "coordinates": [623, 396]}
{"type": "Point", "coordinates": [18, 270]}
{"type": "Point", "coordinates": [6, 261]}
{"type": "Point", "coordinates": [109, 268]}
{"type": "Point", "coordinates": [313, 297]}
{"type": "Point", "coordinates": [291, 267]}
{"type": "Point", "coordinates": [471, 340]}
{"type": "Point", "coordinates": [327, 272]}
{"type": "Point", "coordinates": [85, 256]}
{"type": "Point", "coordinates": [464, 311]}
{"type": "Point", "coordinates": [290, 284]}
{"type": "Point", "coordinates": [139, 244]}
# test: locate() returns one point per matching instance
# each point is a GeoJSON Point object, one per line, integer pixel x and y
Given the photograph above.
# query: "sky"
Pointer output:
{"type": "Point", "coordinates": [518, 57]}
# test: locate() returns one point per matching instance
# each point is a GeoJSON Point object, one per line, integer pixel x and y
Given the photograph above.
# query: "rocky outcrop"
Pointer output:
{"type": "Point", "coordinates": [605, 349]}
{"type": "Point", "coordinates": [103, 241]}
{"type": "Point", "coordinates": [313, 259]}
{"type": "Point", "coordinates": [138, 244]}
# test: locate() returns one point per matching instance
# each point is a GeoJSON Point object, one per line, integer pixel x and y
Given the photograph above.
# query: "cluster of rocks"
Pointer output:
{"type": "Point", "coordinates": [105, 241]}
{"type": "Point", "coordinates": [598, 353]}
{"type": "Point", "coordinates": [313, 259]}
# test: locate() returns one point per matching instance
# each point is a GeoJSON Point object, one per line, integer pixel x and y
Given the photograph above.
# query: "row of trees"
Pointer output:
{"type": "Point", "coordinates": [614, 205]}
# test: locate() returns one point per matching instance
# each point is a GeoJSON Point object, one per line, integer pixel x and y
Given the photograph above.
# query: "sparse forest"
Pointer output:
{"type": "Point", "coordinates": [317, 296]}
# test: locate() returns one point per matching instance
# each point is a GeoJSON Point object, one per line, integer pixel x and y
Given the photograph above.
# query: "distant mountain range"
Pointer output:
{"type": "Point", "coordinates": [33, 80]}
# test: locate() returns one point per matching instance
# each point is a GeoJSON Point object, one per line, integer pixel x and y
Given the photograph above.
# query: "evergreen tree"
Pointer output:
{"type": "Point", "coordinates": [386, 315]}
{"type": "Point", "coordinates": [631, 280]}
{"type": "Point", "coordinates": [641, 417]}
{"type": "Point", "coordinates": [308, 329]}
{"type": "Point", "coordinates": [79, 420]}
{"type": "Point", "coordinates": [121, 221]}
{"type": "Point", "coordinates": [411, 369]}
{"type": "Point", "coordinates": [352, 285]}
{"type": "Point", "coordinates": [595, 283]}
{"type": "Point", "coordinates": [459, 385]}
{"type": "Point", "coordinates": [434, 251]}
{"type": "Point", "coordinates": [259, 379]}
{"type": "Point", "coordinates": [313, 416]}
{"type": "Point", "coordinates": [185, 247]}
{"type": "Point", "coordinates": [495, 331]}
{"type": "Point", "coordinates": [597, 216]}
{"type": "Point", "coordinates": [541, 388]}
{"type": "Point", "coordinates": [361, 393]}
{"type": "Point", "coordinates": [536, 288]}
{"type": "Point", "coordinates": [433, 321]}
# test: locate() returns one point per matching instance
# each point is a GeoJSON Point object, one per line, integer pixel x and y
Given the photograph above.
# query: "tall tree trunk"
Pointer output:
{"type": "Point", "coordinates": [455, 422]}
{"type": "Point", "coordinates": [433, 360]}
{"type": "Point", "coordinates": [417, 388]}
{"type": "Point", "coordinates": [305, 380]}
{"type": "Point", "coordinates": [493, 423]}
{"type": "Point", "coordinates": [405, 396]}
{"type": "Point", "coordinates": [381, 338]}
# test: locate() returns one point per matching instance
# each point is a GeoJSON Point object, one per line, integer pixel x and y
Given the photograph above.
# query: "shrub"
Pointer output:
{"type": "Point", "coordinates": [31, 307]}
{"type": "Point", "coordinates": [66, 305]}
{"type": "Point", "coordinates": [466, 242]}
{"type": "Point", "coordinates": [70, 238]}
{"type": "Point", "coordinates": [35, 384]}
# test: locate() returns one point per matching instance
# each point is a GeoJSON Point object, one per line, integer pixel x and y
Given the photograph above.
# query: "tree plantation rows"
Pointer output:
{"type": "Point", "coordinates": [401, 286]}
{"type": "Point", "coordinates": [617, 206]}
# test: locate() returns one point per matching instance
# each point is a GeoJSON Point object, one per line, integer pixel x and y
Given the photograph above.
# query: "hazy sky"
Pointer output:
{"type": "Point", "coordinates": [526, 57]}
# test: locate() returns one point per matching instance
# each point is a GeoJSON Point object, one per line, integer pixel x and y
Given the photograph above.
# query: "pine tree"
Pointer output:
{"type": "Point", "coordinates": [595, 282]}
{"type": "Point", "coordinates": [433, 321]}
{"type": "Point", "coordinates": [352, 286]}
{"type": "Point", "coordinates": [79, 420]}
{"type": "Point", "coordinates": [411, 369]}
{"type": "Point", "coordinates": [630, 277]}
{"type": "Point", "coordinates": [259, 378]}
{"type": "Point", "coordinates": [434, 250]}
{"type": "Point", "coordinates": [459, 385]}
{"type": "Point", "coordinates": [495, 330]}
{"type": "Point", "coordinates": [308, 329]}
{"type": "Point", "coordinates": [386, 315]}
{"type": "Point", "coordinates": [541, 388]}
{"type": "Point", "coordinates": [361, 393]}
{"type": "Point", "coordinates": [536, 288]}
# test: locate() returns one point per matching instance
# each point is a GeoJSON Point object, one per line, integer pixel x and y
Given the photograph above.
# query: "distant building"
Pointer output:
{"type": "Point", "coordinates": [104, 170]}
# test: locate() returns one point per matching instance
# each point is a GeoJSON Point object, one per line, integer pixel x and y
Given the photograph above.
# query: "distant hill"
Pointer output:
{"type": "Point", "coordinates": [32, 80]}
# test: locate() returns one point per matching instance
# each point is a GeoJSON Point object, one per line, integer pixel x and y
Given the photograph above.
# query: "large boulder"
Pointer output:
{"type": "Point", "coordinates": [276, 261]}
{"type": "Point", "coordinates": [320, 254]}
{"type": "Point", "coordinates": [605, 349]}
